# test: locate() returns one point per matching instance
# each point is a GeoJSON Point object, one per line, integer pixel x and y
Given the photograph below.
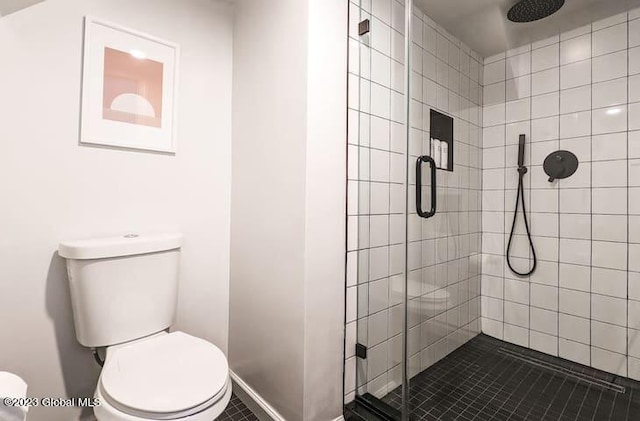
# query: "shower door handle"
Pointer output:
{"type": "Point", "coordinates": [432, 164]}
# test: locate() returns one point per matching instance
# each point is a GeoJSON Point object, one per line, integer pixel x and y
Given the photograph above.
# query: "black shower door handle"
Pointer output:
{"type": "Point", "coordinates": [432, 211]}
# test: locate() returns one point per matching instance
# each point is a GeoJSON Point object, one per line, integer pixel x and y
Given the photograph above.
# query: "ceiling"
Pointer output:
{"type": "Point", "coordinates": [483, 25]}
{"type": "Point", "coordinates": [10, 6]}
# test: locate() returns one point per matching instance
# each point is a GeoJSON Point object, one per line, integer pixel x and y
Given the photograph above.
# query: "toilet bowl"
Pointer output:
{"type": "Point", "coordinates": [171, 376]}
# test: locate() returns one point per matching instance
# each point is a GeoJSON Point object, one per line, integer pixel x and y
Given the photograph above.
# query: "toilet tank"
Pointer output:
{"type": "Point", "coordinates": [122, 288]}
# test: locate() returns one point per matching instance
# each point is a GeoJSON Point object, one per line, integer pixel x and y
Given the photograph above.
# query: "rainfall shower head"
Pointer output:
{"type": "Point", "coordinates": [531, 10]}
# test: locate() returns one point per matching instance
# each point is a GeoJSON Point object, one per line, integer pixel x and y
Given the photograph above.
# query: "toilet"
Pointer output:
{"type": "Point", "coordinates": [124, 293]}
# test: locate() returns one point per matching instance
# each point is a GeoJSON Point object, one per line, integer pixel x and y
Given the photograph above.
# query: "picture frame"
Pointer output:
{"type": "Point", "coordinates": [129, 88]}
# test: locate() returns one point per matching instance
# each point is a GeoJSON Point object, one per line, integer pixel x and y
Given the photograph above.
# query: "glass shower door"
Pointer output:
{"type": "Point", "coordinates": [412, 253]}
{"type": "Point", "coordinates": [583, 227]}
{"type": "Point", "coordinates": [443, 197]}
{"type": "Point", "coordinates": [377, 203]}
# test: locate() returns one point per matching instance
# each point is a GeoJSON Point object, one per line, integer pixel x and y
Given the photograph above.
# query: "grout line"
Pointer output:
{"type": "Point", "coordinates": [504, 203]}
{"type": "Point", "coordinates": [628, 197]}
{"type": "Point", "coordinates": [388, 251]}
{"type": "Point", "coordinates": [591, 212]}
{"type": "Point", "coordinates": [531, 184]}
{"type": "Point", "coordinates": [365, 363]}
{"type": "Point", "coordinates": [559, 214]}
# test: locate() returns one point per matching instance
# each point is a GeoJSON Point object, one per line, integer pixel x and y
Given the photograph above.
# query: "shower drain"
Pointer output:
{"type": "Point", "coordinates": [563, 370]}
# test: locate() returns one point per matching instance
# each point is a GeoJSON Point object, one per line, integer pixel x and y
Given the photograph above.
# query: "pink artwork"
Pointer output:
{"type": "Point", "coordinates": [129, 88]}
{"type": "Point", "coordinates": [132, 90]}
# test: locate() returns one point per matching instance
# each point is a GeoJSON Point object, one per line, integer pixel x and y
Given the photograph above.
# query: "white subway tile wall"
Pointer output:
{"type": "Point", "coordinates": [581, 92]}
{"type": "Point", "coordinates": [444, 251]}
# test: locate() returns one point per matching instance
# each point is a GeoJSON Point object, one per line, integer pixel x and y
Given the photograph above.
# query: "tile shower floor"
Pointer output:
{"type": "Point", "coordinates": [487, 379]}
{"type": "Point", "coordinates": [236, 411]}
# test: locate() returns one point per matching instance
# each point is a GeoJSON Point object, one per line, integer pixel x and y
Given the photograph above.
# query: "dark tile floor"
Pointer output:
{"type": "Point", "coordinates": [237, 411]}
{"type": "Point", "coordinates": [487, 379]}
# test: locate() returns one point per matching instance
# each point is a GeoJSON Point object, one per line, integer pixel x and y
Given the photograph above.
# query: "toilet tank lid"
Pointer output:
{"type": "Point", "coordinates": [123, 245]}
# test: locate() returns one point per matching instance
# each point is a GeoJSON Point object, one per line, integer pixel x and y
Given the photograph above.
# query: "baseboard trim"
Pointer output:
{"type": "Point", "coordinates": [254, 401]}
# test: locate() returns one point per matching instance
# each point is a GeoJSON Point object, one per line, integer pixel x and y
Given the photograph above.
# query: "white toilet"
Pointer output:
{"type": "Point", "coordinates": [124, 292]}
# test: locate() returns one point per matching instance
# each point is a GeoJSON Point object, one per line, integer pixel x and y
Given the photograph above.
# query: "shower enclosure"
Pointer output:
{"type": "Point", "coordinates": [416, 276]}
{"type": "Point", "coordinates": [441, 324]}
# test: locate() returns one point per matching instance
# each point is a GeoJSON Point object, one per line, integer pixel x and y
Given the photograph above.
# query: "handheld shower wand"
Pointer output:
{"type": "Point", "coordinates": [521, 153]}
{"type": "Point", "coordinates": [522, 170]}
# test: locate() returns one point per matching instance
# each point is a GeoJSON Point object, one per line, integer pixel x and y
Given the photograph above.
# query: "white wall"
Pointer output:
{"type": "Point", "coordinates": [577, 91]}
{"type": "Point", "coordinates": [54, 189]}
{"type": "Point", "coordinates": [287, 261]}
{"type": "Point", "coordinates": [268, 195]}
{"type": "Point", "coordinates": [325, 209]}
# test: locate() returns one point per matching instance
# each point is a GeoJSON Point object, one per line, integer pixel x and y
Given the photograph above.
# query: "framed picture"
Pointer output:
{"type": "Point", "coordinates": [129, 88]}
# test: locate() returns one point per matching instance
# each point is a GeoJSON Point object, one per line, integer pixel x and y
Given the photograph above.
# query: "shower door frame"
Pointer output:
{"type": "Point", "coordinates": [404, 407]}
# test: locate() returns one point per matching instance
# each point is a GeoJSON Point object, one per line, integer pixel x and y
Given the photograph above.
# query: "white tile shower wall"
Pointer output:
{"type": "Point", "coordinates": [578, 91]}
{"type": "Point", "coordinates": [444, 251]}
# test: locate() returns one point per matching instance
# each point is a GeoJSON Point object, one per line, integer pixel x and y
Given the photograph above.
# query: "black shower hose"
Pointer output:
{"type": "Point", "coordinates": [520, 198]}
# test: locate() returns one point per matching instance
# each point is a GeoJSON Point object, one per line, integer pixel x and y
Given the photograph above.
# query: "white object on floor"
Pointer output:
{"type": "Point", "coordinates": [12, 386]}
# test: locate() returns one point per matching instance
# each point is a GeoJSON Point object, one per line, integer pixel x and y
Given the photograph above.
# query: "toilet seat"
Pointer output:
{"type": "Point", "coordinates": [440, 296]}
{"type": "Point", "coordinates": [169, 376]}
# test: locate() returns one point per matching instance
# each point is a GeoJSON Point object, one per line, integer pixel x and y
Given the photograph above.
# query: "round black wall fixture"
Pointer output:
{"type": "Point", "coordinates": [560, 164]}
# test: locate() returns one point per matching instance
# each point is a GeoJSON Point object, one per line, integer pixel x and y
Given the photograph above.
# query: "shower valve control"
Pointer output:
{"type": "Point", "coordinates": [560, 164]}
